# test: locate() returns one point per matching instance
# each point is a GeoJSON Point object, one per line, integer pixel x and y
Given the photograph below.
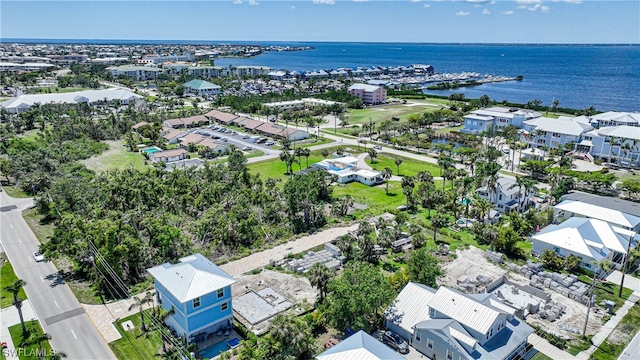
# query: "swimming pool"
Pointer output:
{"type": "Point", "coordinates": [214, 350]}
{"type": "Point", "coordinates": [149, 151]}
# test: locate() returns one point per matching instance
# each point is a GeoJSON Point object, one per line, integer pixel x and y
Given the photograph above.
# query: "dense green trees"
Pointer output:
{"type": "Point", "coordinates": [358, 298]}
{"type": "Point", "coordinates": [424, 267]}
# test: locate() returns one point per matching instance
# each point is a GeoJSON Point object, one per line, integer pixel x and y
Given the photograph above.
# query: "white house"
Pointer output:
{"type": "Point", "coordinates": [168, 155]}
{"type": "Point", "coordinates": [588, 239]}
{"type": "Point", "coordinates": [346, 169]}
{"type": "Point", "coordinates": [92, 97]}
{"type": "Point", "coordinates": [139, 73]}
{"type": "Point", "coordinates": [447, 324]}
{"type": "Point", "coordinates": [507, 196]}
{"type": "Point", "coordinates": [613, 118]}
{"type": "Point", "coordinates": [572, 208]}
{"type": "Point", "coordinates": [554, 133]}
{"type": "Point", "coordinates": [496, 117]}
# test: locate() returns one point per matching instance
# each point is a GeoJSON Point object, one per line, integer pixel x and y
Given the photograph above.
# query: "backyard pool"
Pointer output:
{"type": "Point", "coordinates": [214, 350]}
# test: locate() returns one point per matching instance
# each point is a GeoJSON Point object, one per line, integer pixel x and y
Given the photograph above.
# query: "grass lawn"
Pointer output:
{"type": "Point", "coordinates": [374, 197]}
{"type": "Point", "coordinates": [313, 142]}
{"type": "Point", "coordinates": [378, 114]}
{"type": "Point", "coordinates": [32, 350]}
{"type": "Point", "coordinates": [31, 134]}
{"type": "Point", "coordinates": [7, 277]}
{"type": "Point", "coordinates": [447, 130]}
{"type": "Point", "coordinates": [409, 167]}
{"type": "Point", "coordinates": [135, 344]}
{"type": "Point", "coordinates": [608, 291]}
{"type": "Point", "coordinates": [117, 157]}
{"type": "Point", "coordinates": [42, 231]}
{"type": "Point", "coordinates": [628, 326]}
{"type": "Point", "coordinates": [53, 90]}
{"type": "Point", "coordinates": [15, 192]}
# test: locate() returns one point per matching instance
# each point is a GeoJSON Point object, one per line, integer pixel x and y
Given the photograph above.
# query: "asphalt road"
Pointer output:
{"type": "Point", "coordinates": [59, 312]}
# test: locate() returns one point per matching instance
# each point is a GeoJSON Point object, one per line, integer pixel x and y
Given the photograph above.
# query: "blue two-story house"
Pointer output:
{"type": "Point", "coordinates": [199, 293]}
{"type": "Point", "coordinates": [556, 133]}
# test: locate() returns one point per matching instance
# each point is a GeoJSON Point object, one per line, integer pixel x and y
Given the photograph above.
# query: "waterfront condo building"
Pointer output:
{"type": "Point", "coordinates": [369, 94]}
{"type": "Point", "coordinates": [496, 117]}
{"type": "Point", "coordinates": [199, 293]}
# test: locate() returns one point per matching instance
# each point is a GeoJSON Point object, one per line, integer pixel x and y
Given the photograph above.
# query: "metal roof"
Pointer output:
{"type": "Point", "coordinates": [72, 97]}
{"type": "Point", "coordinates": [468, 312]}
{"type": "Point", "coordinates": [588, 237]}
{"type": "Point", "coordinates": [192, 277]}
{"type": "Point", "coordinates": [360, 346]}
{"type": "Point", "coordinates": [410, 307]}
{"type": "Point", "coordinates": [621, 131]}
{"type": "Point", "coordinates": [613, 203]}
{"type": "Point", "coordinates": [562, 125]}
{"type": "Point", "coordinates": [600, 212]}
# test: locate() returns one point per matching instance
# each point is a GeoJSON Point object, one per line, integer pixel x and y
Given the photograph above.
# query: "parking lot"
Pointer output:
{"type": "Point", "coordinates": [241, 140]}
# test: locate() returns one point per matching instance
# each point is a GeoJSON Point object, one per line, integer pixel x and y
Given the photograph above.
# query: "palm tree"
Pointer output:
{"type": "Point", "coordinates": [398, 161]}
{"type": "Point", "coordinates": [481, 207]}
{"type": "Point", "coordinates": [14, 289]}
{"type": "Point", "coordinates": [319, 276]}
{"type": "Point", "coordinates": [373, 154]}
{"type": "Point", "coordinates": [57, 355]}
{"type": "Point", "coordinates": [148, 298]}
{"type": "Point", "coordinates": [386, 175]}
{"type": "Point", "coordinates": [324, 153]}
{"type": "Point", "coordinates": [407, 188]}
{"type": "Point", "coordinates": [438, 221]}
{"type": "Point", "coordinates": [38, 338]}
{"type": "Point", "coordinates": [306, 153]}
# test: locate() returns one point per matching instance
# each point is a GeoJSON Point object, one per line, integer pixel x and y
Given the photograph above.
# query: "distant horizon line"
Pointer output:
{"type": "Point", "coordinates": [251, 42]}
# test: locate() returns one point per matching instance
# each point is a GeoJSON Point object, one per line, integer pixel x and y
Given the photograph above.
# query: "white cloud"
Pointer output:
{"type": "Point", "coordinates": [528, 2]}
{"type": "Point", "coordinates": [510, 12]}
{"type": "Point", "coordinates": [427, 5]}
{"type": "Point", "coordinates": [293, 7]}
{"type": "Point", "coordinates": [462, 13]}
{"type": "Point", "coordinates": [253, 2]}
{"type": "Point", "coordinates": [324, 2]}
{"type": "Point", "coordinates": [477, 1]}
{"type": "Point", "coordinates": [415, 1]}
{"type": "Point", "coordinates": [573, 1]}
{"type": "Point", "coordinates": [237, 2]}
{"type": "Point", "coordinates": [360, 0]}
{"type": "Point", "coordinates": [486, 12]}
{"type": "Point", "coordinates": [539, 7]}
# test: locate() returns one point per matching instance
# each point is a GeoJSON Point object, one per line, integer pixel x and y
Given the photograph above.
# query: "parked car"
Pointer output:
{"type": "Point", "coordinates": [245, 137]}
{"type": "Point", "coordinates": [246, 148]}
{"type": "Point", "coordinates": [395, 342]}
{"type": "Point", "coordinates": [38, 256]}
{"type": "Point", "coordinates": [378, 147]}
{"type": "Point", "coordinates": [223, 139]}
{"type": "Point", "coordinates": [269, 143]}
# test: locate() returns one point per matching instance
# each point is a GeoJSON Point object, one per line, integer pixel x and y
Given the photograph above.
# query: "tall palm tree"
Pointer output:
{"type": "Point", "coordinates": [398, 161]}
{"type": "Point", "coordinates": [386, 175]}
{"type": "Point", "coordinates": [438, 221]}
{"type": "Point", "coordinates": [319, 276]}
{"type": "Point", "coordinates": [14, 289]}
{"type": "Point", "coordinates": [57, 355]}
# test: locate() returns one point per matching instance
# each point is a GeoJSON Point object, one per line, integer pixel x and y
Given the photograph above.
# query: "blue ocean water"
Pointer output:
{"type": "Point", "coordinates": [579, 76]}
{"type": "Point", "coordinates": [606, 77]}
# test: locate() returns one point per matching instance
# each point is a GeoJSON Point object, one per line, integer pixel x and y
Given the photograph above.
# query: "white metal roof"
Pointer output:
{"type": "Point", "coordinates": [192, 277]}
{"type": "Point", "coordinates": [365, 87]}
{"type": "Point", "coordinates": [360, 346]}
{"type": "Point", "coordinates": [588, 237]}
{"type": "Point", "coordinates": [72, 97]}
{"type": "Point", "coordinates": [598, 212]}
{"type": "Point", "coordinates": [562, 125]}
{"type": "Point", "coordinates": [410, 306]}
{"type": "Point", "coordinates": [468, 312]}
{"type": "Point", "coordinates": [463, 338]}
{"type": "Point", "coordinates": [621, 131]}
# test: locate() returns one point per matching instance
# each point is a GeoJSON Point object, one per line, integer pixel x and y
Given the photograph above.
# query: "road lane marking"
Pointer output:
{"type": "Point", "coordinates": [41, 278]}
{"type": "Point", "coordinates": [20, 241]}
{"type": "Point", "coordinates": [55, 302]}
{"type": "Point", "coordinates": [29, 257]}
{"type": "Point", "coordinates": [74, 335]}
{"type": "Point", "coordinates": [11, 226]}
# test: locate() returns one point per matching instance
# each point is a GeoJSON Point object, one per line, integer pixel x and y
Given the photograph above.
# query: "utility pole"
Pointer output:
{"type": "Point", "coordinates": [624, 264]}
{"type": "Point", "coordinates": [589, 302]}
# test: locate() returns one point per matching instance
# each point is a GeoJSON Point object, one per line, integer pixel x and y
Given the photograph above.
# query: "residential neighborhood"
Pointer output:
{"type": "Point", "coordinates": [158, 205]}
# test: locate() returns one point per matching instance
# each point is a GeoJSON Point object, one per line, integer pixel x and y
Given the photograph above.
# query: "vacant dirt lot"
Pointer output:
{"type": "Point", "coordinates": [471, 262]}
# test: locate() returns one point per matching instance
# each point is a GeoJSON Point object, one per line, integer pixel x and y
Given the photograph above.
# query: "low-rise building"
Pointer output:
{"type": "Point", "coordinates": [168, 155]}
{"type": "Point", "coordinates": [447, 324]}
{"type": "Point", "coordinates": [369, 94]}
{"type": "Point", "coordinates": [497, 117]}
{"type": "Point", "coordinates": [346, 169]}
{"type": "Point", "coordinates": [202, 88]}
{"type": "Point", "coordinates": [139, 73]}
{"type": "Point", "coordinates": [360, 346]}
{"type": "Point", "coordinates": [591, 240]}
{"type": "Point", "coordinates": [92, 97]}
{"type": "Point", "coordinates": [573, 208]}
{"type": "Point", "coordinates": [506, 196]}
{"type": "Point", "coordinates": [198, 292]}
{"type": "Point", "coordinates": [555, 133]}
{"type": "Point", "coordinates": [618, 144]}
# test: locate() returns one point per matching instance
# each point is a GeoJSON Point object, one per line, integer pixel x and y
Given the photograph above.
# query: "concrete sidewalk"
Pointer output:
{"type": "Point", "coordinates": [9, 317]}
{"type": "Point", "coordinates": [546, 348]}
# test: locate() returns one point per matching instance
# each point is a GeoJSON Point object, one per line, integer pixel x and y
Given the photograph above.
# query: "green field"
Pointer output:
{"type": "Point", "coordinates": [276, 169]}
{"type": "Point", "coordinates": [7, 277]}
{"type": "Point", "coordinates": [33, 349]}
{"type": "Point", "coordinates": [117, 157]}
{"type": "Point", "coordinates": [409, 167]}
{"type": "Point", "coordinates": [378, 114]}
{"type": "Point", "coordinates": [43, 231]}
{"type": "Point", "coordinates": [15, 192]}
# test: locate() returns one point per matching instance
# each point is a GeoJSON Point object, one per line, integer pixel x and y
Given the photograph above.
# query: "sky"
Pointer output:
{"type": "Point", "coordinates": [444, 21]}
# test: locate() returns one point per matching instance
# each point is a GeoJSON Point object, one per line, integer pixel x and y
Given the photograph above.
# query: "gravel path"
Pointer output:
{"type": "Point", "coordinates": [302, 244]}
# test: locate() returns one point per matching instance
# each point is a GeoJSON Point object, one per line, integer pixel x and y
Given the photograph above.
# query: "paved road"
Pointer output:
{"type": "Point", "coordinates": [632, 352]}
{"type": "Point", "coordinates": [55, 305]}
